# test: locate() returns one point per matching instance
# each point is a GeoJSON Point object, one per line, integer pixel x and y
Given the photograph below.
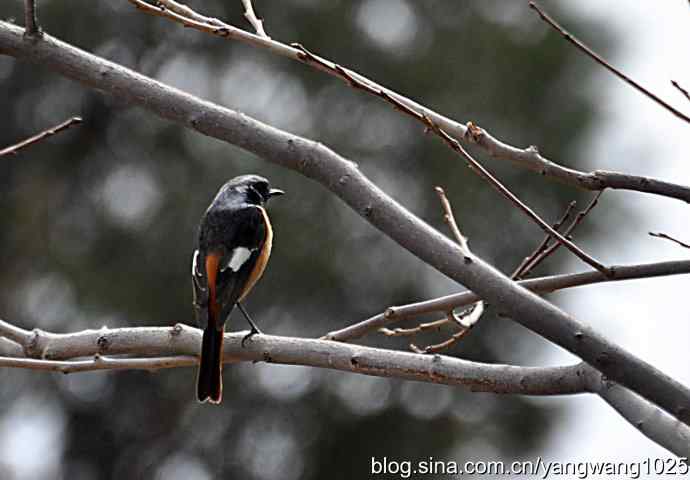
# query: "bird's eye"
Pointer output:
{"type": "Point", "coordinates": [254, 195]}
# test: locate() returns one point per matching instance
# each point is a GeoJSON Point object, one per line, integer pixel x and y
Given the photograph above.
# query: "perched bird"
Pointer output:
{"type": "Point", "coordinates": [234, 244]}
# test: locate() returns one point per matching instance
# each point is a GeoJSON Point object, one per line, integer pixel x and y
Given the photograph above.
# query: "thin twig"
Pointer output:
{"type": "Point", "coordinates": [539, 258]}
{"type": "Point", "coordinates": [32, 29]}
{"type": "Point", "coordinates": [255, 21]}
{"type": "Point", "coordinates": [449, 218]}
{"type": "Point", "coordinates": [685, 93]}
{"type": "Point", "coordinates": [467, 319]}
{"type": "Point", "coordinates": [540, 285]}
{"type": "Point", "coordinates": [13, 149]}
{"type": "Point", "coordinates": [518, 273]}
{"type": "Point", "coordinates": [668, 237]}
{"type": "Point", "coordinates": [408, 332]}
{"type": "Point", "coordinates": [464, 321]}
{"type": "Point", "coordinates": [528, 158]}
{"type": "Point", "coordinates": [438, 347]}
{"type": "Point", "coordinates": [601, 61]}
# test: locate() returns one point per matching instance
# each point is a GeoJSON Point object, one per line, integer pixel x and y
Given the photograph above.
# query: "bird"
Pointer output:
{"type": "Point", "coordinates": [233, 247]}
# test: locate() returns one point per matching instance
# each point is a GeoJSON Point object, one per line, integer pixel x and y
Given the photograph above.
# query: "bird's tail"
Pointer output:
{"type": "Point", "coordinates": [210, 381]}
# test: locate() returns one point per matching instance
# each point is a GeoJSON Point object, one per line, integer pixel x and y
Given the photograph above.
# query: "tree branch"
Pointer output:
{"type": "Point", "coordinates": [669, 237]}
{"type": "Point", "coordinates": [652, 422]}
{"type": "Point", "coordinates": [13, 149]}
{"type": "Point", "coordinates": [174, 347]}
{"type": "Point", "coordinates": [178, 346]}
{"type": "Point", "coordinates": [255, 21]}
{"type": "Point", "coordinates": [528, 158]}
{"type": "Point", "coordinates": [344, 179]}
{"type": "Point", "coordinates": [601, 61]}
{"type": "Point", "coordinates": [536, 256]}
{"type": "Point", "coordinates": [15, 334]}
{"type": "Point", "coordinates": [683, 91]}
{"type": "Point", "coordinates": [539, 285]}
{"type": "Point", "coordinates": [550, 249]}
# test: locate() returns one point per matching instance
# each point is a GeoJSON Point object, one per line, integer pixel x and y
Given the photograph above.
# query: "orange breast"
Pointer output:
{"type": "Point", "coordinates": [262, 260]}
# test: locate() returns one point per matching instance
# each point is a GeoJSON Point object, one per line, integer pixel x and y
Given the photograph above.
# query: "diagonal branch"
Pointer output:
{"type": "Point", "coordinates": [344, 179]}
{"type": "Point", "coordinates": [669, 237]}
{"type": "Point", "coordinates": [601, 61]}
{"type": "Point", "coordinates": [683, 91]}
{"type": "Point", "coordinates": [528, 158]}
{"type": "Point", "coordinates": [550, 249]}
{"type": "Point", "coordinates": [521, 270]}
{"type": "Point", "coordinates": [13, 149]}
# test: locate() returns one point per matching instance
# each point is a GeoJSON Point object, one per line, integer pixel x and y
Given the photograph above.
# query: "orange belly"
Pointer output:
{"type": "Point", "coordinates": [262, 260]}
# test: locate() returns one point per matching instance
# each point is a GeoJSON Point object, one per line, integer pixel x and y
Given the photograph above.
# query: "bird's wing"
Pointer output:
{"type": "Point", "coordinates": [240, 258]}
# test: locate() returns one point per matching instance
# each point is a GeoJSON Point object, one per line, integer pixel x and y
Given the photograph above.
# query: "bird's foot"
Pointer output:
{"type": "Point", "coordinates": [252, 332]}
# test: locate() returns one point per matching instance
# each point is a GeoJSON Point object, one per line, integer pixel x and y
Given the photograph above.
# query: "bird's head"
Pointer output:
{"type": "Point", "coordinates": [252, 189]}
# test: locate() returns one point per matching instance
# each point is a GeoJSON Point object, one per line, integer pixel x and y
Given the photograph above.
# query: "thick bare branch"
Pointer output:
{"type": "Point", "coordinates": [345, 180]}
{"type": "Point", "coordinates": [40, 136]}
{"type": "Point", "coordinates": [539, 285]}
{"type": "Point", "coordinates": [173, 347]}
{"type": "Point", "coordinates": [177, 346]}
{"type": "Point", "coordinates": [652, 422]}
{"type": "Point", "coordinates": [601, 61]}
{"type": "Point", "coordinates": [528, 158]}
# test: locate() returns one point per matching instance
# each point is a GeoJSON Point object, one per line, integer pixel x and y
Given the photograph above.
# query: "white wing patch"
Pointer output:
{"type": "Point", "coordinates": [194, 258]}
{"type": "Point", "coordinates": [239, 256]}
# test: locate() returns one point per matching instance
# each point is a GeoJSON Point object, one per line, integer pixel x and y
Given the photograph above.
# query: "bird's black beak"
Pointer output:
{"type": "Point", "coordinates": [275, 192]}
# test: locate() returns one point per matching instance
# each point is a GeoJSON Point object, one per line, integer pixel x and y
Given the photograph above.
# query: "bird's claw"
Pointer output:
{"type": "Point", "coordinates": [253, 331]}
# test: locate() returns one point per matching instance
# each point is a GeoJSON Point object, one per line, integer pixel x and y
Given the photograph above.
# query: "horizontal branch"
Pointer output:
{"type": "Point", "coordinates": [539, 285]}
{"type": "Point", "coordinates": [344, 179]}
{"type": "Point", "coordinates": [99, 362]}
{"type": "Point", "coordinates": [528, 158]}
{"type": "Point", "coordinates": [178, 346]}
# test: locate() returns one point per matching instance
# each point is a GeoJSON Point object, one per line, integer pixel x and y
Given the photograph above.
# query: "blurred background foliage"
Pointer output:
{"type": "Point", "coordinates": [99, 222]}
